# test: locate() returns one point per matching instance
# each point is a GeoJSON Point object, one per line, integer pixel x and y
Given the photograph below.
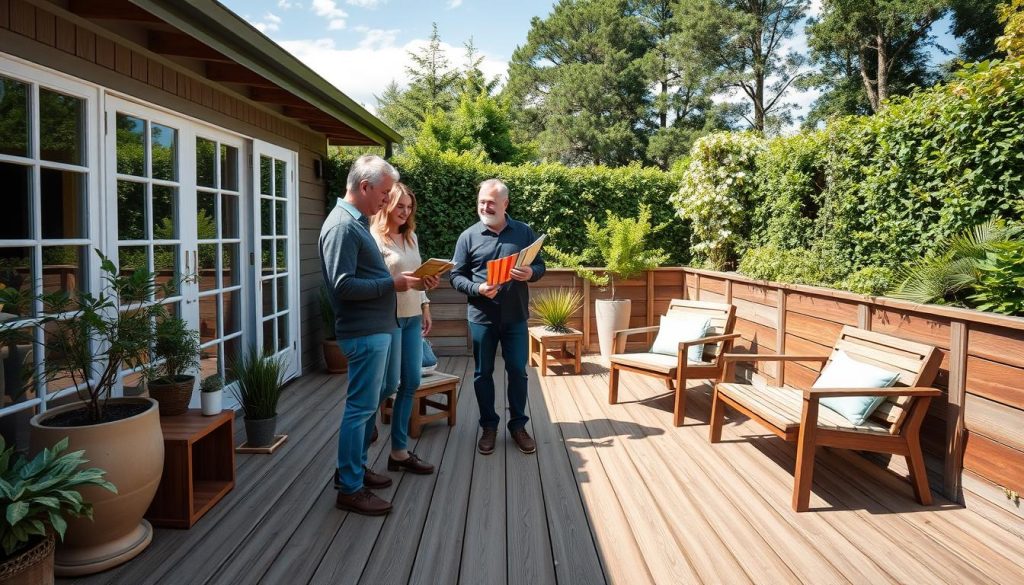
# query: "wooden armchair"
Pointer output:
{"type": "Point", "coordinates": [718, 341]}
{"type": "Point", "coordinates": [796, 416]}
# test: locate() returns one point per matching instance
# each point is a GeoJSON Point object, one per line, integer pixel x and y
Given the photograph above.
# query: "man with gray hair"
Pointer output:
{"type": "Point", "coordinates": [362, 294]}
{"type": "Point", "coordinates": [497, 313]}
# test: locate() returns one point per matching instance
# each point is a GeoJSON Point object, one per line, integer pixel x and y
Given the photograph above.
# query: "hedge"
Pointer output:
{"type": "Point", "coordinates": [552, 198]}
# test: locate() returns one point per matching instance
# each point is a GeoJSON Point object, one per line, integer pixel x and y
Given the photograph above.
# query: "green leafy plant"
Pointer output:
{"type": "Point", "coordinates": [554, 308]}
{"type": "Point", "coordinates": [620, 246]}
{"type": "Point", "coordinates": [260, 378]}
{"type": "Point", "coordinates": [92, 338]}
{"type": "Point", "coordinates": [213, 383]}
{"type": "Point", "coordinates": [175, 353]}
{"type": "Point", "coordinates": [37, 494]}
{"type": "Point", "coordinates": [1000, 284]}
{"type": "Point", "coordinates": [870, 280]}
{"type": "Point", "coordinates": [797, 266]}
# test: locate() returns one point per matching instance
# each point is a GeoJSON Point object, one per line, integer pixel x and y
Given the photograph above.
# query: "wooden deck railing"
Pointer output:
{"type": "Point", "coordinates": [974, 436]}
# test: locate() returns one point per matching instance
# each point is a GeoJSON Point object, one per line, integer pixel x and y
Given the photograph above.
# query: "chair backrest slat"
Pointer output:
{"type": "Point", "coordinates": [721, 317]}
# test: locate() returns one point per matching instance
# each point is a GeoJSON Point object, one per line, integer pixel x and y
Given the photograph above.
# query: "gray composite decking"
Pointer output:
{"type": "Point", "coordinates": [615, 494]}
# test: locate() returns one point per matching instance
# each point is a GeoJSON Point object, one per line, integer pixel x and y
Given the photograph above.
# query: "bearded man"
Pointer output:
{"type": "Point", "coordinates": [497, 313]}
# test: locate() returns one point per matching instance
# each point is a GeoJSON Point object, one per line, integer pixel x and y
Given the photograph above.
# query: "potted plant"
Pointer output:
{"type": "Point", "coordinates": [175, 354]}
{"type": "Point", "coordinates": [36, 495]}
{"type": "Point", "coordinates": [554, 308]}
{"type": "Point", "coordinates": [620, 245]}
{"type": "Point", "coordinates": [334, 360]}
{"type": "Point", "coordinates": [211, 392]}
{"type": "Point", "coordinates": [90, 341]}
{"type": "Point", "coordinates": [259, 381]}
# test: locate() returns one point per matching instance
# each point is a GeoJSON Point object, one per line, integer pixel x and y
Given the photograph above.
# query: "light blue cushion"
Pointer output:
{"type": "Point", "coordinates": [846, 372]}
{"type": "Point", "coordinates": [678, 328]}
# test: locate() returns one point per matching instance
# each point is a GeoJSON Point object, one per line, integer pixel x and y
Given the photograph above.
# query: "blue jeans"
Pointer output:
{"type": "Point", "coordinates": [514, 347]}
{"type": "Point", "coordinates": [405, 367]}
{"type": "Point", "coordinates": [367, 362]}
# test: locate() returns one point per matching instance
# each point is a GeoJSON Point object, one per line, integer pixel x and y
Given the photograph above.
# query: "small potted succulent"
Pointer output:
{"type": "Point", "coordinates": [175, 355]}
{"type": "Point", "coordinates": [36, 495]}
{"type": "Point", "coordinates": [259, 381]}
{"type": "Point", "coordinates": [211, 392]}
{"type": "Point", "coordinates": [554, 308]}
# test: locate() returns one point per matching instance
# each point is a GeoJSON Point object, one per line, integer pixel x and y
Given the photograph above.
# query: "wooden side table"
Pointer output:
{"type": "Point", "coordinates": [549, 348]}
{"type": "Point", "coordinates": [432, 385]}
{"type": "Point", "coordinates": [199, 467]}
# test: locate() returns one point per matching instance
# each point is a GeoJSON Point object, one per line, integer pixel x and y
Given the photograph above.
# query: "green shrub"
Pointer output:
{"type": "Point", "coordinates": [789, 183]}
{"type": "Point", "coordinates": [1000, 284]}
{"type": "Point", "coordinates": [796, 266]}
{"type": "Point", "coordinates": [870, 280]}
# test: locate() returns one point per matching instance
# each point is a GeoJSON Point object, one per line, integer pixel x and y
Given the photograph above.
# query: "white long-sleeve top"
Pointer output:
{"type": "Point", "coordinates": [400, 256]}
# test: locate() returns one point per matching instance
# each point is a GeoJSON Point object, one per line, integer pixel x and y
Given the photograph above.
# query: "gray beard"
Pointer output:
{"type": "Point", "coordinates": [490, 220]}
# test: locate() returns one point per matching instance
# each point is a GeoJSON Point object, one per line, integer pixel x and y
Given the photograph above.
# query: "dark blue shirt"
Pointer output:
{"type": "Point", "coordinates": [360, 288]}
{"type": "Point", "coordinates": [476, 246]}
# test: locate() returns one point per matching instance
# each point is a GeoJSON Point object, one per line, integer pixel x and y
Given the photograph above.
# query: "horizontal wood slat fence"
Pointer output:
{"type": "Point", "coordinates": [973, 436]}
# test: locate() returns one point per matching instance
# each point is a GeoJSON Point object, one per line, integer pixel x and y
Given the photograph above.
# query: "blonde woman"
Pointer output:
{"type": "Point", "coordinates": [394, 229]}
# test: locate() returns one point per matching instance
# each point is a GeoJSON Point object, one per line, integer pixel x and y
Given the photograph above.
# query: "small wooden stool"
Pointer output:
{"type": "Point", "coordinates": [431, 385]}
{"type": "Point", "coordinates": [544, 350]}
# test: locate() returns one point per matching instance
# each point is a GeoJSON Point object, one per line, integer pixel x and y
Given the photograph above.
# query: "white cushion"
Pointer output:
{"type": "Point", "coordinates": [676, 329]}
{"type": "Point", "coordinates": [846, 372]}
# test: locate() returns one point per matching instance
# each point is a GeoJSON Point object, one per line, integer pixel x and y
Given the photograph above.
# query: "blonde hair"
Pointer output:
{"type": "Point", "coordinates": [408, 229]}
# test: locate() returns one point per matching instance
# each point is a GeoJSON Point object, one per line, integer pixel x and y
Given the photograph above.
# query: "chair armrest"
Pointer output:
{"type": "Point", "coordinates": [709, 339]}
{"type": "Point", "coordinates": [893, 391]}
{"type": "Point", "coordinates": [635, 331]}
{"type": "Point", "coordinates": [760, 357]}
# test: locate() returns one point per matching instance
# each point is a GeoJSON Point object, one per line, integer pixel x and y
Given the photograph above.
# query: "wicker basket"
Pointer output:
{"type": "Point", "coordinates": [173, 397]}
{"type": "Point", "coordinates": [32, 567]}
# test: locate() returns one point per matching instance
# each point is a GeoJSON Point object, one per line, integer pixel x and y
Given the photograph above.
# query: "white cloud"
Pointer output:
{"type": "Point", "coordinates": [270, 23]}
{"type": "Point", "coordinates": [377, 38]}
{"type": "Point", "coordinates": [329, 10]}
{"type": "Point", "coordinates": [287, 5]}
{"type": "Point", "coordinates": [366, 3]}
{"type": "Point", "coordinates": [365, 71]}
{"type": "Point", "coordinates": [454, 3]}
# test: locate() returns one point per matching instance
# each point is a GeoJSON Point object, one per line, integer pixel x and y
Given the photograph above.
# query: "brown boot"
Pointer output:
{"type": "Point", "coordinates": [375, 481]}
{"type": "Point", "coordinates": [486, 443]}
{"type": "Point", "coordinates": [412, 464]}
{"type": "Point", "coordinates": [524, 441]}
{"type": "Point", "coordinates": [363, 502]}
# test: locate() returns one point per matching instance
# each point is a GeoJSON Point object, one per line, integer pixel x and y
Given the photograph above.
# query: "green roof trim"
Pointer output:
{"type": "Point", "coordinates": [218, 27]}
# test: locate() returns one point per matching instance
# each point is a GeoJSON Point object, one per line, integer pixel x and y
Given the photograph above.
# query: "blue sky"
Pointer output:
{"type": "Point", "coordinates": [362, 45]}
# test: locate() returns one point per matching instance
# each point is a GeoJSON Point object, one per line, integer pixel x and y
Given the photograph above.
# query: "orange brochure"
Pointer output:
{"type": "Point", "coordinates": [500, 271]}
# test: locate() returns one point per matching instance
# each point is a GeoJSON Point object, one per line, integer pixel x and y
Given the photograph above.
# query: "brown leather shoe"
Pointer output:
{"type": "Point", "coordinates": [412, 464]}
{"type": "Point", "coordinates": [373, 437]}
{"type": "Point", "coordinates": [486, 443]}
{"type": "Point", "coordinates": [524, 441]}
{"type": "Point", "coordinates": [375, 481]}
{"type": "Point", "coordinates": [363, 502]}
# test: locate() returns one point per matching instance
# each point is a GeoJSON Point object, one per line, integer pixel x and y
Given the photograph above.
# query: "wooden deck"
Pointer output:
{"type": "Point", "coordinates": [615, 494]}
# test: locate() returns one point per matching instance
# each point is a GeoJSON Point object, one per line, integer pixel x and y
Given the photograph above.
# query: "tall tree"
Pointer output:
{"type": "Point", "coordinates": [885, 38]}
{"type": "Point", "coordinates": [578, 84]}
{"type": "Point", "coordinates": [976, 24]}
{"type": "Point", "coordinates": [747, 41]}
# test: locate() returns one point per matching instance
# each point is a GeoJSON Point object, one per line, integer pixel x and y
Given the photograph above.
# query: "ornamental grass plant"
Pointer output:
{"type": "Point", "coordinates": [260, 377]}
{"type": "Point", "coordinates": [554, 308]}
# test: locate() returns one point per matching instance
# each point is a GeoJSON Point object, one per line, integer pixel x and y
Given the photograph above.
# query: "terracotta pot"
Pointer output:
{"type": "Point", "coordinates": [131, 451]}
{"type": "Point", "coordinates": [333, 358]}
{"type": "Point", "coordinates": [612, 316]}
{"type": "Point", "coordinates": [32, 567]}
{"type": "Point", "coordinates": [173, 397]}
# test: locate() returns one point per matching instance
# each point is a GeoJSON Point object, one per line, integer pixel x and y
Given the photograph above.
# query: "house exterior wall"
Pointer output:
{"type": "Point", "coordinates": [65, 43]}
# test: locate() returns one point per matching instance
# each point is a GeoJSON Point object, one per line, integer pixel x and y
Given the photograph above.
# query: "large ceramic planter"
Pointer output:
{"type": "Point", "coordinates": [334, 360]}
{"type": "Point", "coordinates": [611, 315]}
{"type": "Point", "coordinates": [173, 397]}
{"type": "Point", "coordinates": [32, 567]}
{"type": "Point", "coordinates": [260, 432]}
{"type": "Point", "coordinates": [131, 451]}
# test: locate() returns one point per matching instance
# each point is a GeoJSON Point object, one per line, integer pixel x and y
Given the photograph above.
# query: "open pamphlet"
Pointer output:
{"type": "Point", "coordinates": [500, 271]}
{"type": "Point", "coordinates": [433, 267]}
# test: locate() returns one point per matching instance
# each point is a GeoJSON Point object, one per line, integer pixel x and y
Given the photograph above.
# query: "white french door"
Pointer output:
{"type": "Point", "coordinates": [275, 229]}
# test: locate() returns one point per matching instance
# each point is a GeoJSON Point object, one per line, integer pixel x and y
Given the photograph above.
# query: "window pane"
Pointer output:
{"type": "Point", "coordinates": [132, 258]}
{"type": "Point", "coordinates": [232, 312]}
{"type": "Point", "coordinates": [266, 217]}
{"type": "Point", "coordinates": [268, 257]}
{"type": "Point", "coordinates": [13, 117]}
{"type": "Point", "coordinates": [269, 337]}
{"type": "Point", "coordinates": [165, 265]}
{"type": "Point", "coordinates": [268, 297]}
{"type": "Point", "coordinates": [64, 268]}
{"type": "Point", "coordinates": [207, 266]}
{"type": "Point", "coordinates": [266, 171]}
{"type": "Point", "coordinates": [165, 203]}
{"type": "Point", "coordinates": [229, 216]}
{"type": "Point", "coordinates": [206, 216]}
{"type": "Point", "coordinates": [280, 170]}
{"type": "Point", "coordinates": [206, 162]}
{"type": "Point", "coordinates": [63, 205]}
{"type": "Point", "coordinates": [165, 152]}
{"type": "Point", "coordinates": [17, 368]}
{"type": "Point", "coordinates": [61, 342]}
{"type": "Point", "coordinates": [131, 210]}
{"type": "Point", "coordinates": [282, 333]}
{"type": "Point", "coordinates": [282, 293]}
{"type": "Point", "coordinates": [232, 351]}
{"type": "Point", "coordinates": [131, 145]}
{"type": "Point", "coordinates": [282, 255]}
{"type": "Point", "coordinates": [208, 318]}
{"type": "Point", "coordinates": [17, 197]}
{"type": "Point", "coordinates": [16, 272]}
{"type": "Point", "coordinates": [279, 218]}
{"type": "Point", "coordinates": [228, 167]}
{"type": "Point", "coordinates": [61, 127]}
{"type": "Point", "coordinates": [231, 270]}
{"type": "Point", "coordinates": [209, 361]}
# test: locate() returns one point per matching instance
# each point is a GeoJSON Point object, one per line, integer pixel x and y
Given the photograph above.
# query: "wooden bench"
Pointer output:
{"type": "Point", "coordinates": [795, 415]}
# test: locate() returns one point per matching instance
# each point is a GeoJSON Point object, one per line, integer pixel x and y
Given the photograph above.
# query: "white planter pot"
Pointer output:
{"type": "Point", "coordinates": [611, 317]}
{"type": "Point", "coordinates": [211, 402]}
